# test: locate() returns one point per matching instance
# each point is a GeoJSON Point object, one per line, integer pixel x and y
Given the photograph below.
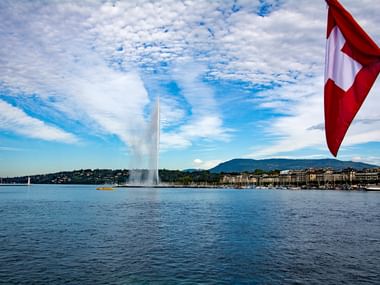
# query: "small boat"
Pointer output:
{"type": "Point", "coordinates": [104, 188]}
{"type": "Point", "coordinates": [372, 188]}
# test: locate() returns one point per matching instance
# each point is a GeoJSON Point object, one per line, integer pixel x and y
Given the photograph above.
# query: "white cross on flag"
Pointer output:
{"type": "Point", "coordinates": [352, 66]}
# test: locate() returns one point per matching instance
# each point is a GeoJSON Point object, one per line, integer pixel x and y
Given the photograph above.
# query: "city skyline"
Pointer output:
{"type": "Point", "coordinates": [236, 79]}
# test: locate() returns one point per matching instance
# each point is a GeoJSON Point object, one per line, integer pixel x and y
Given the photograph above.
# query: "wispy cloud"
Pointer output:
{"type": "Point", "coordinates": [375, 160]}
{"type": "Point", "coordinates": [208, 164]}
{"type": "Point", "coordinates": [87, 62]}
{"type": "Point", "coordinates": [53, 58]}
{"type": "Point", "coordinates": [301, 121]}
{"type": "Point", "coordinates": [204, 121]}
{"type": "Point", "coordinates": [15, 120]}
{"type": "Point", "coordinates": [233, 38]}
{"type": "Point", "coordinates": [8, 148]}
{"type": "Point", "coordinates": [78, 62]}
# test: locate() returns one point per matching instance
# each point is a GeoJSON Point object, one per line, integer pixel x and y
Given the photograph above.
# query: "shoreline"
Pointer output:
{"type": "Point", "coordinates": [369, 188]}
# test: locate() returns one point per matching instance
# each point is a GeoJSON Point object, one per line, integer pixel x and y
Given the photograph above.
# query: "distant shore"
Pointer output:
{"type": "Point", "coordinates": [314, 179]}
{"type": "Point", "coordinates": [194, 186]}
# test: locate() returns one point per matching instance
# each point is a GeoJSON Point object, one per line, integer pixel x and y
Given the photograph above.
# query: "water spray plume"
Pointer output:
{"type": "Point", "coordinates": [145, 152]}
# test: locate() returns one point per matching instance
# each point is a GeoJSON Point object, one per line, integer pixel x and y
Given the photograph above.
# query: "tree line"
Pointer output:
{"type": "Point", "coordinates": [117, 176]}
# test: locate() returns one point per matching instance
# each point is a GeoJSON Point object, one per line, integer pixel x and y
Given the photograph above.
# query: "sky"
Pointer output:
{"type": "Point", "coordinates": [235, 79]}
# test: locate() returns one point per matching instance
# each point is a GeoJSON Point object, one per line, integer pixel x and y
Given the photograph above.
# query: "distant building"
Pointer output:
{"type": "Point", "coordinates": [239, 179]}
{"type": "Point", "coordinates": [367, 177]}
{"type": "Point", "coordinates": [309, 177]}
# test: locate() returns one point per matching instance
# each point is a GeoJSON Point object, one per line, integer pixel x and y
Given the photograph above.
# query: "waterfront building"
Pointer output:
{"type": "Point", "coordinates": [239, 179]}
{"type": "Point", "coordinates": [310, 178]}
{"type": "Point", "coordinates": [269, 180]}
{"type": "Point", "coordinates": [367, 177]}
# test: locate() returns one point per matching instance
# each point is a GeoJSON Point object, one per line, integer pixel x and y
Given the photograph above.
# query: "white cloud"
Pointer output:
{"type": "Point", "coordinates": [287, 43]}
{"type": "Point", "coordinates": [205, 121]}
{"type": "Point", "coordinates": [301, 122]}
{"type": "Point", "coordinates": [286, 47]}
{"type": "Point", "coordinates": [375, 160]}
{"type": "Point", "coordinates": [200, 164]}
{"type": "Point", "coordinates": [300, 102]}
{"type": "Point", "coordinates": [235, 43]}
{"type": "Point", "coordinates": [172, 113]}
{"type": "Point", "coordinates": [14, 119]}
{"type": "Point", "coordinates": [8, 148]}
{"type": "Point", "coordinates": [52, 57]}
{"type": "Point", "coordinates": [85, 62]}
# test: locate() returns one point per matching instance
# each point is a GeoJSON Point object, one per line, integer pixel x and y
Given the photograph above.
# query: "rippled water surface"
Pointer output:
{"type": "Point", "coordinates": [77, 235]}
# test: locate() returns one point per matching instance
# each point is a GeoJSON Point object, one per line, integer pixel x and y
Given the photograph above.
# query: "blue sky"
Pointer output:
{"type": "Point", "coordinates": [235, 79]}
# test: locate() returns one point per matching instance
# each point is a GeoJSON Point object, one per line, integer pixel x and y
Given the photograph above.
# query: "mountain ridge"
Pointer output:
{"type": "Point", "coordinates": [246, 164]}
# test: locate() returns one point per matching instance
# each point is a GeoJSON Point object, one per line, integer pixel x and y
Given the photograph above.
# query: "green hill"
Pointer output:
{"type": "Point", "coordinates": [241, 165]}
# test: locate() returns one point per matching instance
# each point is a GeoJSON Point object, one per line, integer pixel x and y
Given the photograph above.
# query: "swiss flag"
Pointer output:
{"type": "Point", "coordinates": [352, 65]}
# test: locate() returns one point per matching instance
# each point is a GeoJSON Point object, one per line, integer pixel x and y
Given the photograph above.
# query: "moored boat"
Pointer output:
{"type": "Point", "coordinates": [372, 188]}
{"type": "Point", "coordinates": [105, 188]}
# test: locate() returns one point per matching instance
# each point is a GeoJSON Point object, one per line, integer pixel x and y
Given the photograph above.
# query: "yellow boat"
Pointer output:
{"type": "Point", "coordinates": [104, 188]}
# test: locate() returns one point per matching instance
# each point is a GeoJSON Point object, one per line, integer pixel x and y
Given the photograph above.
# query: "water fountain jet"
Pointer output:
{"type": "Point", "coordinates": [146, 153]}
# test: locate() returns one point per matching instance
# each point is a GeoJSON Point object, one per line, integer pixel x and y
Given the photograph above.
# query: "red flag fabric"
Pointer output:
{"type": "Point", "coordinates": [351, 67]}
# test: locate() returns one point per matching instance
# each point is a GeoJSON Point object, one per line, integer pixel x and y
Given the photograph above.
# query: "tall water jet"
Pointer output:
{"type": "Point", "coordinates": [145, 154]}
{"type": "Point", "coordinates": [154, 130]}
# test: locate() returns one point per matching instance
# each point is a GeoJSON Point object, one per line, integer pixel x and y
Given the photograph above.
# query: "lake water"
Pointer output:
{"type": "Point", "coordinates": [76, 235]}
